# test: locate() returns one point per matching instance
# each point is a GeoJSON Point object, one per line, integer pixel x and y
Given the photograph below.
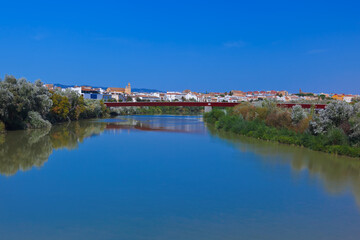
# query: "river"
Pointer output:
{"type": "Point", "coordinates": [170, 177]}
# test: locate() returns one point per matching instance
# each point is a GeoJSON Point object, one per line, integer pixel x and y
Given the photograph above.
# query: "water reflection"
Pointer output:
{"type": "Point", "coordinates": [337, 173]}
{"type": "Point", "coordinates": [23, 150]}
{"type": "Point", "coordinates": [160, 123]}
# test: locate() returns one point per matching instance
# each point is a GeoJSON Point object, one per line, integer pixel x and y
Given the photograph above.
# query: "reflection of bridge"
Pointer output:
{"type": "Point", "coordinates": [146, 127]}
{"type": "Point", "coordinates": [208, 105]}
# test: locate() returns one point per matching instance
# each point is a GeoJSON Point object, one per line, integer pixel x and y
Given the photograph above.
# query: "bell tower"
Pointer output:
{"type": "Point", "coordinates": [128, 89]}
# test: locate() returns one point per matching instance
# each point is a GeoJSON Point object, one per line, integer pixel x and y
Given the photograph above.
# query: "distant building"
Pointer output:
{"type": "Point", "coordinates": [128, 89]}
{"type": "Point", "coordinates": [114, 90]}
{"type": "Point", "coordinates": [49, 86]}
{"type": "Point", "coordinates": [283, 93]}
{"type": "Point", "coordinates": [148, 98]}
{"type": "Point", "coordinates": [349, 98]}
{"type": "Point", "coordinates": [339, 97]}
{"type": "Point", "coordinates": [238, 93]}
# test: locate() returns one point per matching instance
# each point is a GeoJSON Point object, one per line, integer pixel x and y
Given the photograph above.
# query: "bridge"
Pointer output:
{"type": "Point", "coordinates": [208, 105]}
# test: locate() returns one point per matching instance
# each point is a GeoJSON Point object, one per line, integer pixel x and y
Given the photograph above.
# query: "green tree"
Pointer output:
{"type": "Point", "coordinates": [18, 97]}
{"type": "Point", "coordinates": [60, 109]}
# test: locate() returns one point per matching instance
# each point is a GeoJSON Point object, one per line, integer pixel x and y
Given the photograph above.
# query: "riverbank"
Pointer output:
{"type": "Point", "coordinates": [332, 142]}
{"type": "Point", "coordinates": [26, 105]}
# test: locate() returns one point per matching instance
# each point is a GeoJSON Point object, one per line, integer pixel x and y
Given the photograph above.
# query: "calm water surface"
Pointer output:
{"type": "Point", "coordinates": [169, 177]}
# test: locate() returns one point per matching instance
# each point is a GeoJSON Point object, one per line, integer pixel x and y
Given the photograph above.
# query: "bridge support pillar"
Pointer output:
{"type": "Point", "coordinates": [208, 109]}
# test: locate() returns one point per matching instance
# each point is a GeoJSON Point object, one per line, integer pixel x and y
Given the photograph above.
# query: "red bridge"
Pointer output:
{"type": "Point", "coordinates": [208, 105]}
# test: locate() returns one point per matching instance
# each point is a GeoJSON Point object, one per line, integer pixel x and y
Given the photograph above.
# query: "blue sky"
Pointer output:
{"type": "Point", "coordinates": [176, 45]}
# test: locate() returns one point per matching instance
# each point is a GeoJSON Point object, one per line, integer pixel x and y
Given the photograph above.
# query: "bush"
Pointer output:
{"type": "Point", "coordinates": [18, 97]}
{"type": "Point", "coordinates": [261, 113]}
{"type": "Point", "coordinates": [303, 125]}
{"type": "Point", "coordinates": [247, 111]}
{"type": "Point", "coordinates": [60, 110]}
{"type": "Point", "coordinates": [334, 115]}
{"type": "Point", "coordinates": [279, 119]}
{"type": "Point", "coordinates": [35, 120]}
{"type": "Point", "coordinates": [297, 114]}
{"type": "Point", "coordinates": [214, 115]}
{"type": "Point", "coordinates": [278, 127]}
{"type": "Point", "coordinates": [336, 136]}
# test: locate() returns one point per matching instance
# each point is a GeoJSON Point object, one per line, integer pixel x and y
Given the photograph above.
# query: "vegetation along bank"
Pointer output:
{"type": "Point", "coordinates": [26, 105]}
{"type": "Point", "coordinates": [335, 129]}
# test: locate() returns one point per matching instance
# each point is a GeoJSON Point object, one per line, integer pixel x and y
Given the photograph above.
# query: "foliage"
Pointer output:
{"type": "Point", "coordinates": [339, 124]}
{"type": "Point", "coordinates": [69, 105]}
{"type": "Point", "coordinates": [336, 114]}
{"type": "Point", "coordinates": [36, 121]}
{"type": "Point", "coordinates": [297, 114]}
{"type": "Point", "coordinates": [18, 97]}
{"type": "Point", "coordinates": [60, 109]}
{"type": "Point", "coordinates": [214, 116]}
{"type": "Point", "coordinates": [279, 119]}
{"type": "Point", "coordinates": [94, 109]}
{"type": "Point", "coordinates": [27, 105]}
{"type": "Point", "coordinates": [336, 136]}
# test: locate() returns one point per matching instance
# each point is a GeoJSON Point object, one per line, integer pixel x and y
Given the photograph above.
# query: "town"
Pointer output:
{"type": "Point", "coordinates": [116, 94]}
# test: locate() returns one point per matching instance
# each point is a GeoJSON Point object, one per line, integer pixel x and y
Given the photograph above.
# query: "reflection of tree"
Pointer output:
{"type": "Point", "coordinates": [69, 135]}
{"type": "Point", "coordinates": [21, 150]}
{"type": "Point", "coordinates": [337, 173]}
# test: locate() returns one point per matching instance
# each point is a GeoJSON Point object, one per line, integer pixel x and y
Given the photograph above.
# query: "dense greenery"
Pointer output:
{"type": "Point", "coordinates": [20, 100]}
{"type": "Point", "coordinates": [155, 110]}
{"type": "Point", "coordinates": [26, 105]}
{"type": "Point", "coordinates": [333, 130]}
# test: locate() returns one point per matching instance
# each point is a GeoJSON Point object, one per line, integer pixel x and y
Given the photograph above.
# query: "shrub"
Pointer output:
{"type": "Point", "coordinates": [247, 111]}
{"type": "Point", "coordinates": [214, 115]}
{"type": "Point", "coordinates": [303, 125]}
{"type": "Point", "coordinates": [60, 109]}
{"type": "Point", "coordinates": [334, 115]}
{"type": "Point", "coordinates": [261, 113]}
{"type": "Point", "coordinates": [278, 127]}
{"type": "Point", "coordinates": [297, 114]}
{"type": "Point", "coordinates": [336, 136]}
{"type": "Point", "coordinates": [35, 120]}
{"type": "Point", "coordinates": [18, 97]}
{"type": "Point", "coordinates": [279, 119]}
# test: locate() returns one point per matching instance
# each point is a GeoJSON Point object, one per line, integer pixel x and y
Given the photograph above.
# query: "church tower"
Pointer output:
{"type": "Point", "coordinates": [128, 89]}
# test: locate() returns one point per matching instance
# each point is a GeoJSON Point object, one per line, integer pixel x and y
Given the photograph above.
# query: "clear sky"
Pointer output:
{"type": "Point", "coordinates": [176, 45]}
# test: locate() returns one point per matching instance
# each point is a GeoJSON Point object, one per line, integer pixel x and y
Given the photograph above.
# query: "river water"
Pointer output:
{"type": "Point", "coordinates": [170, 177]}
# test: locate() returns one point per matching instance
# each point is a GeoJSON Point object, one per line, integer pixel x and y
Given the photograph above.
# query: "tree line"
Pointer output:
{"type": "Point", "coordinates": [26, 105]}
{"type": "Point", "coordinates": [336, 129]}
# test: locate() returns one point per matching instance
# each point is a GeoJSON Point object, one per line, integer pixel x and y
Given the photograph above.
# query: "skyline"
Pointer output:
{"type": "Point", "coordinates": [202, 46]}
